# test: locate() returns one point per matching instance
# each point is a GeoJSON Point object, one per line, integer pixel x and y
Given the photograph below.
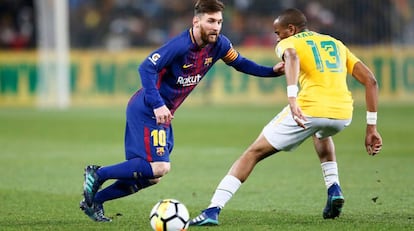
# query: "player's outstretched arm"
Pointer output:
{"type": "Point", "coordinates": [248, 66]}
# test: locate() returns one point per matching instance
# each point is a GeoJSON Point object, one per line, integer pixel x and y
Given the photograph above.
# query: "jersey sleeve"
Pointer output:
{"type": "Point", "coordinates": [153, 65]}
{"type": "Point", "coordinates": [282, 46]}
{"type": "Point", "coordinates": [249, 67]}
{"type": "Point", "coordinates": [233, 58]}
{"type": "Point", "coordinates": [230, 54]}
{"type": "Point", "coordinates": [351, 60]}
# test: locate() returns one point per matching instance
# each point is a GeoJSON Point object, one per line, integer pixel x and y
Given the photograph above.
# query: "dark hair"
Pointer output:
{"type": "Point", "coordinates": [208, 6]}
{"type": "Point", "coordinates": [293, 16]}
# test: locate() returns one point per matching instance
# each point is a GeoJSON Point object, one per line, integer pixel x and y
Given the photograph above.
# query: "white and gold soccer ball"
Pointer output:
{"type": "Point", "coordinates": [169, 215]}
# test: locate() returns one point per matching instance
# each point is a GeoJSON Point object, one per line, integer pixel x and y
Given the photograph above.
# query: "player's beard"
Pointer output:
{"type": "Point", "coordinates": [208, 37]}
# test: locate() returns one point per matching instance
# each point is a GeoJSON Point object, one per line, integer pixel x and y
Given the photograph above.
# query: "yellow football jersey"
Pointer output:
{"type": "Point", "coordinates": [324, 64]}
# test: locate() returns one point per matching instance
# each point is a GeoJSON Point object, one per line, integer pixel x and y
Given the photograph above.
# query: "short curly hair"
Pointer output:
{"type": "Point", "coordinates": [293, 16]}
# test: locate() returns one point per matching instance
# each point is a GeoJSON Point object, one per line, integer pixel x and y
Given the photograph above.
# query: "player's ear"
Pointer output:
{"type": "Point", "coordinates": [292, 29]}
{"type": "Point", "coordinates": [196, 21]}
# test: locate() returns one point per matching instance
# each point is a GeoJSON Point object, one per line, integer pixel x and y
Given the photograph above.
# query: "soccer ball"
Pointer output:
{"type": "Point", "coordinates": [169, 215]}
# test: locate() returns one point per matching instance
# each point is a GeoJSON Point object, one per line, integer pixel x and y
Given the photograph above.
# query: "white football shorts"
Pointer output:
{"type": "Point", "coordinates": [284, 134]}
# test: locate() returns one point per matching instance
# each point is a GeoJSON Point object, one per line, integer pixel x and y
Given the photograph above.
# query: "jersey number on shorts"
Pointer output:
{"type": "Point", "coordinates": [329, 59]}
{"type": "Point", "coordinates": [159, 138]}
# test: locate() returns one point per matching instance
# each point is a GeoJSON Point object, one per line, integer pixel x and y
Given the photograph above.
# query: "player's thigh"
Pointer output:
{"type": "Point", "coordinates": [284, 134]}
{"type": "Point", "coordinates": [148, 140]}
{"type": "Point", "coordinates": [329, 127]}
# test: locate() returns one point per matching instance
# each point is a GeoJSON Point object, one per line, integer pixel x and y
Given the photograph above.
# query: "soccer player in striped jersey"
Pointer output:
{"type": "Point", "coordinates": [168, 75]}
{"type": "Point", "coordinates": [323, 107]}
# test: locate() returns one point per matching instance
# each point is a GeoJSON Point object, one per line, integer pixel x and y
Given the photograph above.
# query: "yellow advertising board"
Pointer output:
{"type": "Point", "coordinates": [105, 78]}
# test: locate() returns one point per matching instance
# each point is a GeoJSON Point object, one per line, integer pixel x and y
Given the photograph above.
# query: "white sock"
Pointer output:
{"type": "Point", "coordinates": [330, 173]}
{"type": "Point", "coordinates": [224, 191]}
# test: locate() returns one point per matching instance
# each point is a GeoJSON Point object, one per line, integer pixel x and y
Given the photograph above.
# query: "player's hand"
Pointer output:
{"type": "Point", "coordinates": [163, 115]}
{"type": "Point", "coordinates": [297, 114]}
{"type": "Point", "coordinates": [373, 140]}
{"type": "Point", "coordinates": [279, 68]}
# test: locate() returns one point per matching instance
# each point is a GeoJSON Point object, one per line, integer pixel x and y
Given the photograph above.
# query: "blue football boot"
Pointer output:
{"type": "Point", "coordinates": [95, 212]}
{"type": "Point", "coordinates": [91, 184]}
{"type": "Point", "coordinates": [335, 202]}
{"type": "Point", "coordinates": [208, 217]}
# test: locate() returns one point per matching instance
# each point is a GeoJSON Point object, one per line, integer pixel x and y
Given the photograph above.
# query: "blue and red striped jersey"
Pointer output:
{"type": "Point", "coordinates": [170, 73]}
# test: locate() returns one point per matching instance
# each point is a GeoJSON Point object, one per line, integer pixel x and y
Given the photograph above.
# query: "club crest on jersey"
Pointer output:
{"type": "Point", "coordinates": [208, 61]}
{"type": "Point", "coordinates": [154, 58]}
{"type": "Point", "coordinates": [160, 151]}
{"type": "Point", "coordinates": [188, 80]}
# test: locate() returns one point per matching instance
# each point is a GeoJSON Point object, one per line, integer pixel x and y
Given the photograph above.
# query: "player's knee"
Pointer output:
{"type": "Point", "coordinates": [160, 168]}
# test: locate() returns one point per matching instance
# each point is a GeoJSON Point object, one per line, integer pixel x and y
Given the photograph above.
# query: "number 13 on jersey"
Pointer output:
{"type": "Point", "coordinates": [326, 55]}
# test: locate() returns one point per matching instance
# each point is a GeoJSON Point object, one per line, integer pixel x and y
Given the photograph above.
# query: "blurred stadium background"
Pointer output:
{"type": "Point", "coordinates": [83, 55]}
{"type": "Point", "coordinates": [86, 52]}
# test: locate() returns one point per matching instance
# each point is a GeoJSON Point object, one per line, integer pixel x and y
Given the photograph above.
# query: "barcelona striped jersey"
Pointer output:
{"type": "Point", "coordinates": [170, 73]}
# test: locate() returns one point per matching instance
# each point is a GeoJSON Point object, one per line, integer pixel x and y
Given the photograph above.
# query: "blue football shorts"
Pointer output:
{"type": "Point", "coordinates": [148, 141]}
{"type": "Point", "coordinates": [143, 137]}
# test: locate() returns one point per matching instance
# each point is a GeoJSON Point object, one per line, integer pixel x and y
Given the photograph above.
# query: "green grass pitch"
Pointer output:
{"type": "Point", "coordinates": [43, 153]}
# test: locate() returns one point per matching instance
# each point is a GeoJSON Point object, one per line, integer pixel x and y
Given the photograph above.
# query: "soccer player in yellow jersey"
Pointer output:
{"type": "Point", "coordinates": [321, 109]}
